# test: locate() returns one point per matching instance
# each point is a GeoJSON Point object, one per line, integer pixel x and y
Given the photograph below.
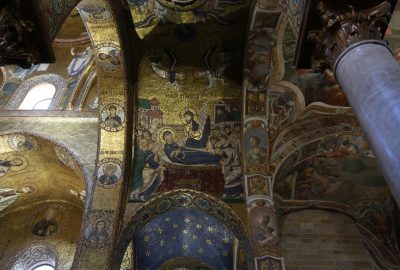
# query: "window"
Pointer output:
{"type": "Point", "coordinates": [39, 97]}
{"type": "Point", "coordinates": [43, 267]}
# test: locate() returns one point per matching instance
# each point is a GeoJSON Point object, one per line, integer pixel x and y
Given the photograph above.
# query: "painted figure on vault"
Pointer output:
{"type": "Point", "coordinates": [9, 195]}
{"type": "Point", "coordinates": [145, 171]}
{"type": "Point", "coordinates": [5, 165]}
{"type": "Point", "coordinates": [256, 154]}
{"type": "Point", "coordinates": [184, 155]}
{"type": "Point", "coordinates": [197, 133]}
{"type": "Point", "coordinates": [46, 226]}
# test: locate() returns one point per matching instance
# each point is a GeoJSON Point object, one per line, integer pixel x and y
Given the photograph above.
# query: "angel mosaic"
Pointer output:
{"type": "Point", "coordinates": [8, 196]}
{"type": "Point", "coordinates": [22, 142]}
{"type": "Point", "coordinates": [214, 73]}
{"type": "Point", "coordinates": [170, 74]}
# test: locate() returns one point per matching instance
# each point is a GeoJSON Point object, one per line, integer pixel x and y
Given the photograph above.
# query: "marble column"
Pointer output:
{"type": "Point", "coordinates": [349, 43]}
{"type": "Point", "coordinates": [370, 76]}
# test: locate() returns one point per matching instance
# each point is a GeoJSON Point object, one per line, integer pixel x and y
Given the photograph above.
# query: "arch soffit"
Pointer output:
{"type": "Point", "coordinates": [184, 198]}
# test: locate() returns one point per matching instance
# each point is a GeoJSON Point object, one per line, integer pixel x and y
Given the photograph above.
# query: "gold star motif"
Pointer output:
{"type": "Point", "coordinates": [175, 225]}
{"type": "Point", "coordinates": [200, 251]}
{"type": "Point", "coordinates": [167, 219]}
{"type": "Point", "coordinates": [225, 239]}
{"type": "Point", "coordinates": [198, 226]}
{"type": "Point", "coordinates": [185, 247]}
{"type": "Point", "coordinates": [224, 253]}
{"type": "Point", "coordinates": [148, 253]}
{"type": "Point", "coordinates": [187, 220]}
{"type": "Point", "coordinates": [185, 231]}
{"type": "Point", "coordinates": [159, 230]}
{"type": "Point", "coordinates": [161, 243]}
{"type": "Point", "coordinates": [208, 241]}
{"type": "Point", "coordinates": [210, 229]}
{"type": "Point", "coordinates": [146, 239]}
{"type": "Point", "coordinates": [194, 237]}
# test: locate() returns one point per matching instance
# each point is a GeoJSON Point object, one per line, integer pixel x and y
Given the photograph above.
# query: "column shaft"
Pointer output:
{"type": "Point", "coordinates": [370, 77]}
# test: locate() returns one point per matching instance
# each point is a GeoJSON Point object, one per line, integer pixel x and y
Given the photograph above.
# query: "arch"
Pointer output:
{"type": "Point", "coordinates": [34, 254]}
{"type": "Point", "coordinates": [23, 90]}
{"type": "Point", "coordinates": [183, 198]}
{"type": "Point", "coordinates": [65, 158]}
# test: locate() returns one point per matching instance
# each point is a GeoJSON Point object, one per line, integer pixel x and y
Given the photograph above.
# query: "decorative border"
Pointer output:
{"type": "Point", "coordinates": [59, 83]}
{"type": "Point", "coordinates": [30, 247]}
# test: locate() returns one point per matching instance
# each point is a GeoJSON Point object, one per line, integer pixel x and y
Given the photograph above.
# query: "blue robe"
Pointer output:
{"type": "Point", "coordinates": [190, 157]}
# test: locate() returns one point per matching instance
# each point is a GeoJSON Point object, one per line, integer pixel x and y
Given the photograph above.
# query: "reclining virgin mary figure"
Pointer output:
{"type": "Point", "coordinates": [185, 155]}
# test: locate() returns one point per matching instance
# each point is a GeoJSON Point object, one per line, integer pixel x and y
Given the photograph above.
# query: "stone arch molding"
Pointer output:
{"type": "Point", "coordinates": [108, 201]}
{"type": "Point", "coordinates": [184, 198]}
{"type": "Point", "coordinates": [111, 48]}
{"type": "Point", "coordinates": [57, 81]}
{"type": "Point", "coordinates": [32, 254]}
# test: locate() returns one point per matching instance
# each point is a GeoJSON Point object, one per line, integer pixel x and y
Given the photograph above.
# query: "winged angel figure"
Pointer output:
{"type": "Point", "coordinates": [171, 74]}
{"type": "Point", "coordinates": [212, 74]}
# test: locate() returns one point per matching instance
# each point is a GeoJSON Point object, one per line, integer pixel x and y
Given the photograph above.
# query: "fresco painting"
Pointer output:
{"type": "Point", "coordinates": [342, 170]}
{"type": "Point", "coordinates": [264, 227]}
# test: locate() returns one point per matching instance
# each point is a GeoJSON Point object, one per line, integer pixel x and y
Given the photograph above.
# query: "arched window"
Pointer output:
{"type": "Point", "coordinates": [43, 267]}
{"type": "Point", "coordinates": [39, 97]}
{"type": "Point", "coordinates": [43, 92]}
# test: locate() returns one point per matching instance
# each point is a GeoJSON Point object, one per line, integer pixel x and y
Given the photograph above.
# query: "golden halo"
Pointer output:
{"type": "Point", "coordinates": [18, 168]}
{"type": "Point", "coordinates": [162, 131]}
{"type": "Point", "coordinates": [184, 110]}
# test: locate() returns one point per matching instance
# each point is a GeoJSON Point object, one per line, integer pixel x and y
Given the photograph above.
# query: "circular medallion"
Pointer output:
{"type": "Point", "coordinates": [109, 56]}
{"type": "Point", "coordinates": [99, 230]}
{"type": "Point", "coordinates": [95, 14]}
{"type": "Point", "coordinates": [112, 117]}
{"type": "Point", "coordinates": [109, 172]}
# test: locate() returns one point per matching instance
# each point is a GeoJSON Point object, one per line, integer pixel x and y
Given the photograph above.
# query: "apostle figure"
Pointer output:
{"type": "Point", "coordinates": [99, 232]}
{"type": "Point", "coordinates": [231, 165]}
{"type": "Point", "coordinates": [109, 177]}
{"type": "Point", "coordinates": [145, 174]}
{"type": "Point", "coordinates": [113, 120]}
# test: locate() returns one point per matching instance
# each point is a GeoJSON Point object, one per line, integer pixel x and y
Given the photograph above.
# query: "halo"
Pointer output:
{"type": "Point", "coordinates": [18, 168]}
{"type": "Point", "coordinates": [162, 131]}
{"type": "Point", "coordinates": [106, 223]}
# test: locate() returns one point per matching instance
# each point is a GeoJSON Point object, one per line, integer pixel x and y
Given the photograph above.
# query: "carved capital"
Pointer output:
{"type": "Point", "coordinates": [343, 28]}
{"type": "Point", "coordinates": [13, 34]}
